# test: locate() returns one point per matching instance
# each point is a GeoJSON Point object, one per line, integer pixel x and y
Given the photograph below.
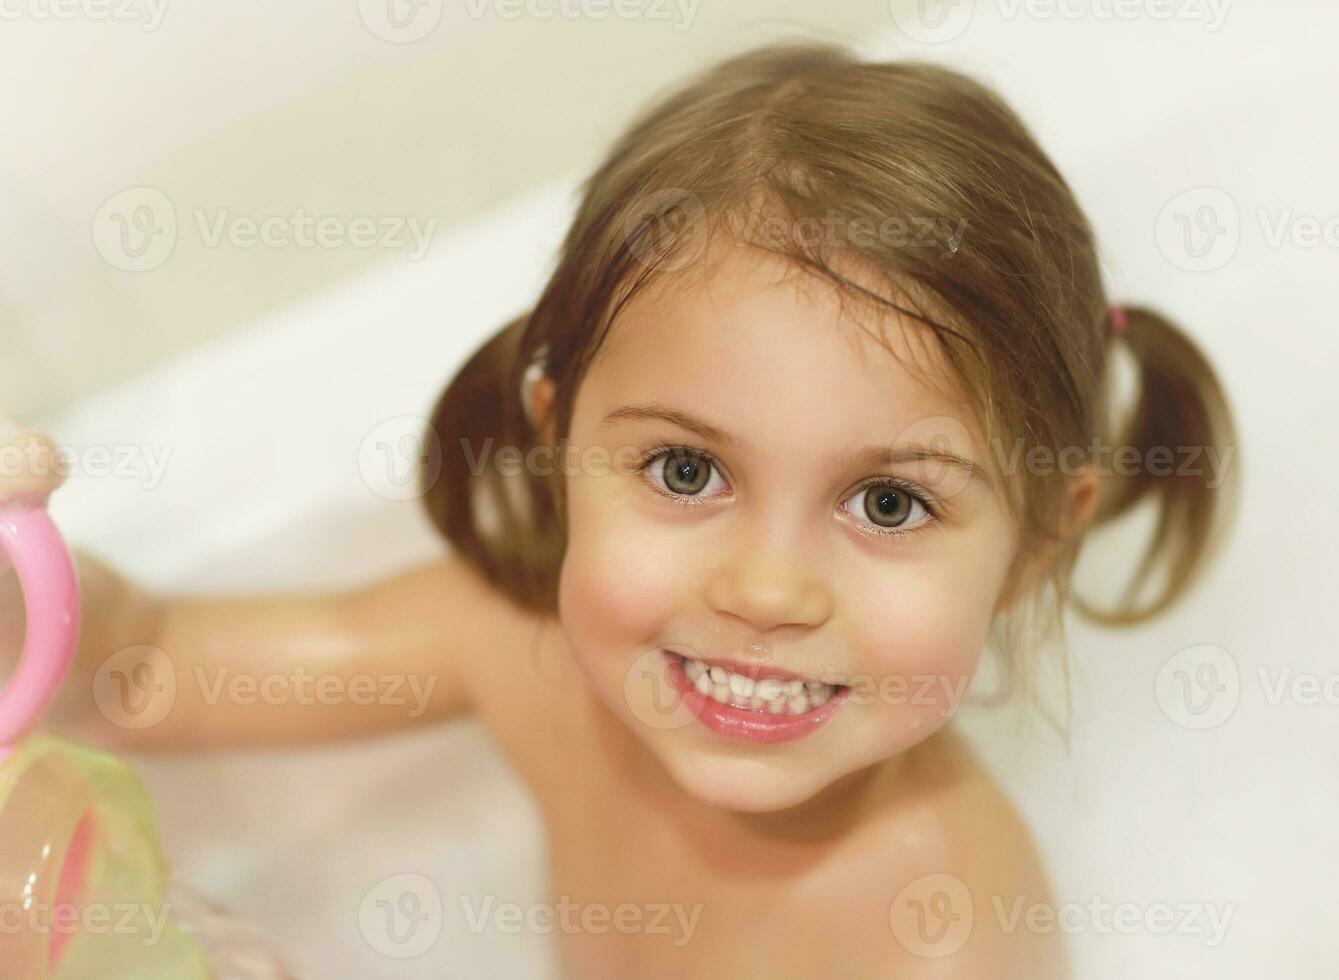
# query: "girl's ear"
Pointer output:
{"type": "Point", "coordinates": [1081, 500]}
{"type": "Point", "coordinates": [1080, 503]}
{"type": "Point", "coordinates": [540, 393]}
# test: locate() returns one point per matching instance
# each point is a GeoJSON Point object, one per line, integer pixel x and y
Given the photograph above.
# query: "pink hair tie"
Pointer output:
{"type": "Point", "coordinates": [1119, 320]}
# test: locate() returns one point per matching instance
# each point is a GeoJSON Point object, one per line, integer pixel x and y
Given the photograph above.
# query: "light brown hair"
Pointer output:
{"type": "Point", "coordinates": [806, 131]}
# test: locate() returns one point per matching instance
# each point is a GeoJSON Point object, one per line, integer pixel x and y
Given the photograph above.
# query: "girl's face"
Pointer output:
{"type": "Point", "coordinates": [791, 536]}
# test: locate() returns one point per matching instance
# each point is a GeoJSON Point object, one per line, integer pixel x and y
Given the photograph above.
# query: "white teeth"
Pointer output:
{"type": "Point", "coordinates": [771, 694]}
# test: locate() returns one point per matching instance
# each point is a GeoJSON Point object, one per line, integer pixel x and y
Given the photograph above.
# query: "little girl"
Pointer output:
{"type": "Point", "coordinates": [802, 423]}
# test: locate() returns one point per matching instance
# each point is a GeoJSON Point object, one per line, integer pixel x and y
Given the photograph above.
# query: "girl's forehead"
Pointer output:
{"type": "Point", "coordinates": [752, 326]}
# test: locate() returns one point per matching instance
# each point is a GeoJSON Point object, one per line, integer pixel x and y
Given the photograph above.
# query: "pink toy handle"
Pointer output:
{"type": "Point", "coordinates": [50, 584]}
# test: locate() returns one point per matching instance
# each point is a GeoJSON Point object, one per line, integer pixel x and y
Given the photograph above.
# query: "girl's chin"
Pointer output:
{"type": "Point", "coordinates": [740, 785]}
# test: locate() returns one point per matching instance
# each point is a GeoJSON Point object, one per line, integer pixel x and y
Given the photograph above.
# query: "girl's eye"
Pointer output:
{"type": "Point", "coordinates": [683, 472]}
{"type": "Point", "coordinates": [889, 507]}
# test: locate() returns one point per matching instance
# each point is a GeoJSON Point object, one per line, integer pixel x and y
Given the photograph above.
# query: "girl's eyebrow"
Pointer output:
{"type": "Point", "coordinates": [914, 452]}
{"type": "Point", "coordinates": [656, 412]}
{"type": "Point", "coordinates": [871, 456]}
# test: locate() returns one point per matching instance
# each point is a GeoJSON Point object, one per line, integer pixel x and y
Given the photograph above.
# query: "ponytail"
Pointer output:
{"type": "Point", "coordinates": [501, 521]}
{"type": "Point", "coordinates": [1180, 408]}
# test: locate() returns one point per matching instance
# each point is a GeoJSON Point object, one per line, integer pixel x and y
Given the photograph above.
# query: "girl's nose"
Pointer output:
{"type": "Point", "coordinates": [768, 589]}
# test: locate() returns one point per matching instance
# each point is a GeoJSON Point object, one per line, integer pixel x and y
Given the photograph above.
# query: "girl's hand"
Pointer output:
{"type": "Point", "coordinates": [29, 466]}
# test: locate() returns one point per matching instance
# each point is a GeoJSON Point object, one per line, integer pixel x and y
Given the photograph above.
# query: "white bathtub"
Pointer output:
{"type": "Point", "coordinates": [263, 491]}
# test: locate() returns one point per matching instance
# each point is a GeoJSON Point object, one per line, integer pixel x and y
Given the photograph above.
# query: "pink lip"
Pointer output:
{"type": "Point", "coordinates": [742, 724]}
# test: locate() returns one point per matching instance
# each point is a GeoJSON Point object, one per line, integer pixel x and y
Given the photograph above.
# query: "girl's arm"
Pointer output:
{"type": "Point", "coordinates": [183, 672]}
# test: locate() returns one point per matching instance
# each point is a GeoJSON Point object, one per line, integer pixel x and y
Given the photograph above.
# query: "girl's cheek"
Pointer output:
{"type": "Point", "coordinates": [920, 641]}
{"type": "Point", "coordinates": [622, 579]}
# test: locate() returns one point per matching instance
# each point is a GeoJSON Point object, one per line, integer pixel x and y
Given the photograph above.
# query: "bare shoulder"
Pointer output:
{"type": "Point", "coordinates": [967, 902]}
{"type": "Point", "coordinates": [445, 618]}
{"type": "Point", "coordinates": [506, 664]}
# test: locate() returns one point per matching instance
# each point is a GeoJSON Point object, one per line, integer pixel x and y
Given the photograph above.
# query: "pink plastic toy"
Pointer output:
{"type": "Point", "coordinates": [81, 876]}
{"type": "Point", "coordinates": [51, 596]}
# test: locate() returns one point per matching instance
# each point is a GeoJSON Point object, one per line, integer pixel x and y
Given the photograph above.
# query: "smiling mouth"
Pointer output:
{"type": "Point", "coordinates": [754, 704]}
{"type": "Point", "coordinates": [772, 692]}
